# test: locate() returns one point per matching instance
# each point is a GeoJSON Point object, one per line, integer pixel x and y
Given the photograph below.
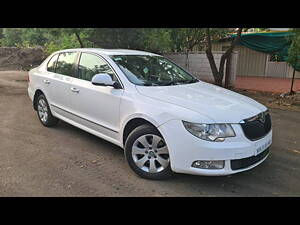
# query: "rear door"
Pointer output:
{"type": "Point", "coordinates": [45, 78]}
{"type": "Point", "coordinates": [59, 83]}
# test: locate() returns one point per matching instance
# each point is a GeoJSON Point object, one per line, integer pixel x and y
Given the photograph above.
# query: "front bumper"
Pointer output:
{"type": "Point", "coordinates": [184, 149]}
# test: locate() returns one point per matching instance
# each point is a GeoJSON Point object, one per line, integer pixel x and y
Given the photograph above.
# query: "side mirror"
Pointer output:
{"type": "Point", "coordinates": [103, 79]}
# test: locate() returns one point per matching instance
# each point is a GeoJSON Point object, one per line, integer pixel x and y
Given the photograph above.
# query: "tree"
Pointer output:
{"type": "Point", "coordinates": [186, 39]}
{"type": "Point", "coordinates": [157, 40]}
{"type": "Point", "coordinates": [113, 37]}
{"type": "Point", "coordinates": [71, 31]}
{"type": "Point", "coordinates": [213, 34]}
{"type": "Point", "coordinates": [148, 39]}
{"type": "Point", "coordinates": [11, 36]}
{"type": "Point", "coordinates": [24, 36]}
{"type": "Point", "coordinates": [294, 53]}
{"type": "Point", "coordinates": [80, 34]}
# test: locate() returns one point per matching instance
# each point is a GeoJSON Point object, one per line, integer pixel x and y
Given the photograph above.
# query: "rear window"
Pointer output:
{"type": "Point", "coordinates": [51, 63]}
{"type": "Point", "coordinates": [66, 63]}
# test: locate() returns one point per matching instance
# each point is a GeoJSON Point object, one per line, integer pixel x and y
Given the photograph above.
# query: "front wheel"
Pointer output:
{"type": "Point", "coordinates": [147, 153]}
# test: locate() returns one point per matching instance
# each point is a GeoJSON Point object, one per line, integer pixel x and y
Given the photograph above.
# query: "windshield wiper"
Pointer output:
{"type": "Point", "coordinates": [168, 83]}
{"type": "Point", "coordinates": [191, 81]}
{"type": "Point", "coordinates": [148, 84]}
{"type": "Point", "coordinates": [173, 82]}
{"type": "Point", "coordinates": [151, 84]}
{"type": "Point", "coordinates": [160, 83]}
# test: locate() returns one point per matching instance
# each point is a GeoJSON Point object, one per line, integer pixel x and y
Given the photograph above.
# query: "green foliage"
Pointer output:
{"type": "Point", "coordinates": [184, 39]}
{"type": "Point", "coordinates": [34, 36]}
{"type": "Point", "coordinates": [24, 44]}
{"type": "Point", "coordinates": [156, 40]}
{"type": "Point", "coordinates": [11, 36]}
{"type": "Point", "coordinates": [24, 36]}
{"type": "Point", "coordinates": [148, 39]}
{"type": "Point", "coordinates": [219, 33]}
{"type": "Point", "coordinates": [294, 50]}
{"type": "Point", "coordinates": [113, 37]}
{"type": "Point", "coordinates": [52, 39]}
{"type": "Point", "coordinates": [63, 42]}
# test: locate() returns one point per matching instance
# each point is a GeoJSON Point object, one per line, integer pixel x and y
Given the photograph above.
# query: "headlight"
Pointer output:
{"type": "Point", "coordinates": [210, 132]}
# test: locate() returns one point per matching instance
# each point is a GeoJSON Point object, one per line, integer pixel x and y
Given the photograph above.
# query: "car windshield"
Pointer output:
{"type": "Point", "coordinates": [147, 70]}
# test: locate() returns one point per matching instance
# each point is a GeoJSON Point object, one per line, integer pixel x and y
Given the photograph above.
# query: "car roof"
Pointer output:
{"type": "Point", "coordinates": [111, 51]}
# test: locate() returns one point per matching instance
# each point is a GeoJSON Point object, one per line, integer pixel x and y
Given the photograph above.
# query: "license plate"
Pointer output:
{"type": "Point", "coordinates": [263, 147]}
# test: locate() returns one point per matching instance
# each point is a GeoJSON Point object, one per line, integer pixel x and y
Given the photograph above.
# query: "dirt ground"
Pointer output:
{"type": "Point", "coordinates": [66, 161]}
{"type": "Point", "coordinates": [13, 58]}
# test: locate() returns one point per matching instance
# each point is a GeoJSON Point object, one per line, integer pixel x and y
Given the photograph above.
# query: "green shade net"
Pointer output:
{"type": "Point", "coordinates": [272, 43]}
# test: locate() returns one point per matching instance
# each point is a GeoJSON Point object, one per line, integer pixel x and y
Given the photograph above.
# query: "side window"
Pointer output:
{"type": "Point", "coordinates": [66, 63]}
{"type": "Point", "coordinates": [90, 65]}
{"type": "Point", "coordinates": [51, 63]}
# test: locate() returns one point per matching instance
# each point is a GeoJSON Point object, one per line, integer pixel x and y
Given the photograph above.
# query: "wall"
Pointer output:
{"type": "Point", "coordinates": [198, 65]}
{"type": "Point", "coordinates": [250, 62]}
{"type": "Point", "coordinates": [13, 58]}
{"type": "Point", "coordinates": [290, 71]}
{"type": "Point", "coordinates": [254, 63]}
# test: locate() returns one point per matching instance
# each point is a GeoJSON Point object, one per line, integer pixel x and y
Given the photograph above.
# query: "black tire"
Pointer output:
{"type": "Point", "coordinates": [132, 137]}
{"type": "Point", "coordinates": [51, 120]}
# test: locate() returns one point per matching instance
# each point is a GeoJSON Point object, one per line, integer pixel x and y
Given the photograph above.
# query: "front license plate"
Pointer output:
{"type": "Point", "coordinates": [263, 147]}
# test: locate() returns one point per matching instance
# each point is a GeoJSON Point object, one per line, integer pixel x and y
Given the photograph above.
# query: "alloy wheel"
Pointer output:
{"type": "Point", "coordinates": [43, 110]}
{"type": "Point", "coordinates": [150, 153]}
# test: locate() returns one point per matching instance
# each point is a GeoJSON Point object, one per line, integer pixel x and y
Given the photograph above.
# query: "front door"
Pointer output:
{"type": "Point", "coordinates": [95, 107]}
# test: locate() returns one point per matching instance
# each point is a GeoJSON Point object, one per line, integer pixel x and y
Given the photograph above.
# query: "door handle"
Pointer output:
{"type": "Point", "coordinates": [47, 81]}
{"type": "Point", "coordinates": [74, 89]}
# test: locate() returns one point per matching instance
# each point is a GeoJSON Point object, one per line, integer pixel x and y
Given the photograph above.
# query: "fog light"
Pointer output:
{"type": "Point", "coordinates": [219, 164]}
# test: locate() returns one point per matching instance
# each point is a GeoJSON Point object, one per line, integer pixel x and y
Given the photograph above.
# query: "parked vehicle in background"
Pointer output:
{"type": "Point", "coordinates": [166, 120]}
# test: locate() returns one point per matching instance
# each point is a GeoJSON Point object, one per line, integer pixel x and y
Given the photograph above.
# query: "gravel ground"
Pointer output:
{"type": "Point", "coordinates": [66, 161]}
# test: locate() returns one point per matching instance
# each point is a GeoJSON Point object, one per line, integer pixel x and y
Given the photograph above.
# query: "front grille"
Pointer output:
{"type": "Point", "coordinates": [238, 164]}
{"type": "Point", "coordinates": [257, 127]}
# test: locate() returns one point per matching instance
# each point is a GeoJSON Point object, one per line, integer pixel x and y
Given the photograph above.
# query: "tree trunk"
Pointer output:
{"type": "Point", "coordinates": [79, 40]}
{"type": "Point", "coordinates": [187, 59]}
{"type": "Point", "coordinates": [219, 74]}
{"type": "Point", "coordinates": [211, 60]}
{"type": "Point", "coordinates": [227, 72]}
{"type": "Point", "coordinates": [219, 80]}
{"type": "Point", "coordinates": [291, 91]}
{"type": "Point", "coordinates": [212, 63]}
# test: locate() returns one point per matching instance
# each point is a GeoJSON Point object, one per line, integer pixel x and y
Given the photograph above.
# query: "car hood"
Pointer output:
{"type": "Point", "coordinates": [216, 103]}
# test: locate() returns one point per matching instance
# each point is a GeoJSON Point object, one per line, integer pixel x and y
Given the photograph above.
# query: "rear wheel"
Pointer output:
{"type": "Point", "coordinates": [44, 112]}
{"type": "Point", "coordinates": [147, 153]}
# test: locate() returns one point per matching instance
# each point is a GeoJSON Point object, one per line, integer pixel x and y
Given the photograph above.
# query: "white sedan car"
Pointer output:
{"type": "Point", "coordinates": [165, 120]}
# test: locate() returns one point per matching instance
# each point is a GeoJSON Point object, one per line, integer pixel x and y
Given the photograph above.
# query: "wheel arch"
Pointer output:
{"type": "Point", "coordinates": [133, 123]}
{"type": "Point", "coordinates": [37, 93]}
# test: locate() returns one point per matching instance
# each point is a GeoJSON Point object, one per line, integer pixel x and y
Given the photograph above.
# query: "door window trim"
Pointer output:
{"type": "Point", "coordinates": [101, 57]}
{"type": "Point", "coordinates": [74, 64]}
{"type": "Point", "coordinates": [57, 54]}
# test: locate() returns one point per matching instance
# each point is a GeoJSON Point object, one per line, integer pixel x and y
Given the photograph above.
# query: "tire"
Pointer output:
{"type": "Point", "coordinates": [44, 113]}
{"type": "Point", "coordinates": [147, 161]}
